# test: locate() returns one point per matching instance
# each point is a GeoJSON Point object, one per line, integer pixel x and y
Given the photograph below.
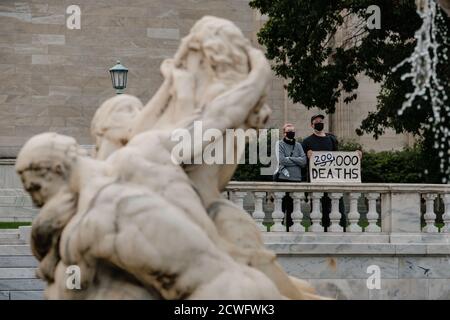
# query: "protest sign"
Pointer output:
{"type": "Point", "coordinates": [335, 166]}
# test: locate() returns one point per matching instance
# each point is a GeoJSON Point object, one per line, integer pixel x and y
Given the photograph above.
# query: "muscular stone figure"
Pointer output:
{"type": "Point", "coordinates": [145, 161]}
{"type": "Point", "coordinates": [210, 61]}
{"type": "Point", "coordinates": [127, 241]}
{"type": "Point", "coordinates": [111, 111]}
{"type": "Point", "coordinates": [122, 169]}
{"type": "Point", "coordinates": [112, 123]}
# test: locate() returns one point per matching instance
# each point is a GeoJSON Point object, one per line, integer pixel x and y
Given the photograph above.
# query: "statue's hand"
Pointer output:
{"type": "Point", "coordinates": [183, 50]}
{"type": "Point", "coordinates": [259, 62]}
{"type": "Point", "coordinates": [50, 221]}
{"type": "Point", "coordinates": [166, 68]}
{"type": "Point", "coordinates": [259, 116]}
{"type": "Point", "coordinates": [47, 266]}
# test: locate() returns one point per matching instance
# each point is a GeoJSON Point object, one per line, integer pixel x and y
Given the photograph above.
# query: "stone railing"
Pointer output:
{"type": "Point", "coordinates": [401, 229]}
{"type": "Point", "coordinates": [391, 209]}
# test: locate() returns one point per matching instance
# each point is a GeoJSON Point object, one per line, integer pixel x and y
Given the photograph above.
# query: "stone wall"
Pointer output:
{"type": "Point", "coordinates": [338, 271]}
{"type": "Point", "coordinates": [337, 266]}
{"type": "Point", "coordinates": [53, 78]}
{"type": "Point", "coordinates": [345, 277]}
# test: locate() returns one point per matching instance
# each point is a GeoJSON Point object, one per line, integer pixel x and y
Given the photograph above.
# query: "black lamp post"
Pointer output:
{"type": "Point", "coordinates": [119, 77]}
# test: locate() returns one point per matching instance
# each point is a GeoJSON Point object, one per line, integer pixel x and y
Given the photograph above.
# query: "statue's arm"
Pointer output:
{"type": "Point", "coordinates": [157, 104]}
{"type": "Point", "coordinates": [230, 108]}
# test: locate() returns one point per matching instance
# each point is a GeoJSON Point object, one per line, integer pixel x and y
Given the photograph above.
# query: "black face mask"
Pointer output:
{"type": "Point", "coordinates": [318, 126]}
{"type": "Point", "coordinates": [290, 135]}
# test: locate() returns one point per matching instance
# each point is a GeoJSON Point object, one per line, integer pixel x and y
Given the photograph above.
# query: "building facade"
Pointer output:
{"type": "Point", "coordinates": [54, 78]}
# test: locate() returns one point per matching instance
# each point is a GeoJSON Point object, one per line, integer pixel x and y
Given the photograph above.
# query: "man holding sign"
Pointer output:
{"type": "Point", "coordinates": [319, 140]}
{"type": "Point", "coordinates": [323, 165]}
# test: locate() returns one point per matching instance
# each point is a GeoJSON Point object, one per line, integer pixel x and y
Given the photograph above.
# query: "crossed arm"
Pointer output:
{"type": "Point", "coordinates": [289, 161]}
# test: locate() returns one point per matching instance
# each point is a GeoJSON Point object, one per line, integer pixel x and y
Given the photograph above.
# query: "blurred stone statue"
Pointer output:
{"type": "Point", "coordinates": [112, 123]}
{"type": "Point", "coordinates": [140, 226]}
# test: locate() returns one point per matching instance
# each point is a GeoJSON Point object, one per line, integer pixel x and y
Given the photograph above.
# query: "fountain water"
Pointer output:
{"type": "Point", "coordinates": [424, 62]}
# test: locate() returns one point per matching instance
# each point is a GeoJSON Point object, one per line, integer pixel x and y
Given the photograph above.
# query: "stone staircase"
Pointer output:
{"type": "Point", "coordinates": [10, 237]}
{"type": "Point", "coordinates": [18, 279]}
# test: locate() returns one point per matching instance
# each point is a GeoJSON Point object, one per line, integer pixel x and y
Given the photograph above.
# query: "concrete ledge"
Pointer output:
{"type": "Point", "coordinates": [324, 237]}
{"type": "Point", "coordinates": [343, 187]}
{"type": "Point", "coordinates": [359, 237]}
{"type": "Point", "coordinates": [359, 249]}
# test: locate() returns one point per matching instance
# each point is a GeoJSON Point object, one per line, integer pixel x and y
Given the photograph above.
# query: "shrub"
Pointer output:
{"type": "Point", "coordinates": [400, 166]}
{"type": "Point", "coordinates": [410, 165]}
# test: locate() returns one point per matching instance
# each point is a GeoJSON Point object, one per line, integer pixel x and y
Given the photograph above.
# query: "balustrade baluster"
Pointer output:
{"type": "Point", "coordinates": [372, 214]}
{"type": "Point", "coordinates": [316, 214]}
{"type": "Point", "coordinates": [277, 214]}
{"type": "Point", "coordinates": [238, 198]}
{"type": "Point", "coordinates": [354, 215]}
{"type": "Point", "coordinates": [297, 215]}
{"type": "Point", "coordinates": [335, 215]}
{"type": "Point", "coordinates": [446, 215]}
{"type": "Point", "coordinates": [430, 215]}
{"type": "Point", "coordinates": [258, 214]}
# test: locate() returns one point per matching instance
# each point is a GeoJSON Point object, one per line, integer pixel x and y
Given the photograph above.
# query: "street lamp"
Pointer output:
{"type": "Point", "coordinates": [119, 77]}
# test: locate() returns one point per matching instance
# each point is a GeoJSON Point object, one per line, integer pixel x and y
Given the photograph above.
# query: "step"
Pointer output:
{"type": "Point", "coordinates": [8, 231]}
{"type": "Point", "coordinates": [14, 241]}
{"type": "Point", "coordinates": [15, 250]}
{"type": "Point", "coordinates": [10, 237]}
{"type": "Point", "coordinates": [7, 236]}
{"type": "Point", "coordinates": [18, 273]}
{"type": "Point", "coordinates": [21, 285]}
{"type": "Point", "coordinates": [22, 295]}
{"type": "Point", "coordinates": [18, 262]}
{"type": "Point", "coordinates": [26, 295]}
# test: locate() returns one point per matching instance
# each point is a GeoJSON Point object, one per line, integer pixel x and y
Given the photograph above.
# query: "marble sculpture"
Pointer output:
{"type": "Point", "coordinates": [140, 226]}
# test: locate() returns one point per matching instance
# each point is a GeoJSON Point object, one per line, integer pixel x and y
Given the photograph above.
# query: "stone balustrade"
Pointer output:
{"type": "Point", "coordinates": [403, 229]}
{"type": "Point", "coordinates": [383, 209]}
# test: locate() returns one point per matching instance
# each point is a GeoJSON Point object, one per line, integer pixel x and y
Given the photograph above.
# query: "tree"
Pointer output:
{"type": "Point", "coordinates": [299, 38]}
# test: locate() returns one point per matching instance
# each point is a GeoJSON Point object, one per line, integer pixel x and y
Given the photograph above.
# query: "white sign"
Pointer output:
{"type": "Point", "coordinates": [335, 166]}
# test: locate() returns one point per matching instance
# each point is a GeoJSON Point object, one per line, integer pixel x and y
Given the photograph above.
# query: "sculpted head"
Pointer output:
{"type": "Point", "coordinates": [222, 45]}
{"type": "Point", "coordinates": [259, 116]}
{"type": "Point", "coordinates": [112, 123]}
{"type": "Point", "coordinates": [44, 165]}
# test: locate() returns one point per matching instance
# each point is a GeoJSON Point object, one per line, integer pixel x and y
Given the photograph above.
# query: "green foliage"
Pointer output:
{"type": "Point", "coordinates": [13, 225]}
{"type": "Point", "coordinates": [251, 172]}
{"type": "Point", "coordinates": [410, 165]}
{"type": "Point", "coordinates": [405, 166]}
{"type": "Point", "coordinates": [299, 37]}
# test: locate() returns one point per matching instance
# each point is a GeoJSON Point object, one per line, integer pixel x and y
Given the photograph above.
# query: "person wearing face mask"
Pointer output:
{"type": "Point", "coordinates": [291, 159]}
{"type": "Point", "coordinates": [321, 141]}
